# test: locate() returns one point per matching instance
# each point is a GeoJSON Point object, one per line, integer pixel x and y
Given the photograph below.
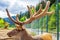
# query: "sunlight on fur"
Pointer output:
{"type": "Point", "coordinates": [46, 36]}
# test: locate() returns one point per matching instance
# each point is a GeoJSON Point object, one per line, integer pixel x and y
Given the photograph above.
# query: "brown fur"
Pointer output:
{"type": "Point", "coordinates": [46, 36]}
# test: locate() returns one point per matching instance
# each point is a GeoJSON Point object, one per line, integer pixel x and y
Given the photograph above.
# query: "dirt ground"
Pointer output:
{"type": "Point", "coordinates": [3, 33]}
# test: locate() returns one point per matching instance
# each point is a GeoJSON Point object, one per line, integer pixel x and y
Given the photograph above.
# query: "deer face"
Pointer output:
{"type": "Point", "coordinates": [40, 13]}
{"type": "Point", "coordinates": [15, 32]}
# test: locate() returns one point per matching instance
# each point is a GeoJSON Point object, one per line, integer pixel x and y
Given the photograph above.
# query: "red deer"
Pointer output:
{"type": "Point", "coordinates": [20, 32]}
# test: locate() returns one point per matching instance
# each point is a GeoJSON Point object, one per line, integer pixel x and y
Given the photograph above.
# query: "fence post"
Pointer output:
{"type": "Point", "coordinates": [57, 19]}
{"type": "Point", "coordinates": [47, 23]}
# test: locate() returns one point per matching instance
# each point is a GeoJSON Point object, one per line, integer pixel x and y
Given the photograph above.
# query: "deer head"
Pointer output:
{"type": "Point", "coordinates": [19, 25]}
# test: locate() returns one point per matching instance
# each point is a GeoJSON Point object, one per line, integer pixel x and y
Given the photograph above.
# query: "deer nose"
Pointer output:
{"type": "Point", "coordinates": [9, 34]}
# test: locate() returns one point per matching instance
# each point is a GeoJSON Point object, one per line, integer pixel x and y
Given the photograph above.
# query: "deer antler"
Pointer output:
{"type": "Point", "coordinates": [12, 18]}
{"type": "Point", "coordinates": [40, 13]}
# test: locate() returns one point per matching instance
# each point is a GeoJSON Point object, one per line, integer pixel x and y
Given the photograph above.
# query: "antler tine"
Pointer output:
{"type": "Point", "coordinates": [43, 13]}
{"type": "Point", "coordinates": [49, 13]}
{"type": "Point", "coordinates": [39, 11]}
{"type": "Point", "coordinates": [17, 19]}
{"type": "Point", "coordinates": [29, 10]}
{"type": "Point", "coordinates": [12, 18]}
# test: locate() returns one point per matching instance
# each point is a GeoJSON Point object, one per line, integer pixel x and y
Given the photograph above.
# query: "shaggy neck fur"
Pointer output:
{"type": "Point", "coordinates": [25, 36]}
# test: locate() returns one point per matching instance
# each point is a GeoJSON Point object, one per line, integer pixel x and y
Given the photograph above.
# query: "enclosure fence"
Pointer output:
{"type": "Point", "coordinates": [41, 25]}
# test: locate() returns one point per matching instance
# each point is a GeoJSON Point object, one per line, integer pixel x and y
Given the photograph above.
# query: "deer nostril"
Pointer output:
{"type": "Point", "coordinates": [9, 34]}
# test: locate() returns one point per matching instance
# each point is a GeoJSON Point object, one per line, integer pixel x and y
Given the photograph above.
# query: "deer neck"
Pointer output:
{"type": "Point", "coordinates": [26, 36]}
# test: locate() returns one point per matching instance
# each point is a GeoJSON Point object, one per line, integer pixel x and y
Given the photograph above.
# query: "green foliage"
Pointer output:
{"type": "Point", "coordinates": [59, 14]}
{"type": "Point", "coordinates": [43, 4]}
{"type": "Point", "coordinates": [37, 7]}
{"type": "Point", "coordinates": [59, 5]}
{"type": "Point", "coordinates": [23, 18]}
{"type": "Point", "coordinates": [27, 14]}
{"type": "Point", "coordinates": [52, 18]}
{"type": "Point", "coordinates": [32, 10]}
{"type": "Point", "coordinates": [53, 7]}
{"type": "Point", "coordinates": [1, 22]}
{"type": "Point", "coordinates": [52, 22]}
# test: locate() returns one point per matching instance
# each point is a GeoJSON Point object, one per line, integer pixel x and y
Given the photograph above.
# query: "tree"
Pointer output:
{"type": "Point", "coordinates": [6, 24]}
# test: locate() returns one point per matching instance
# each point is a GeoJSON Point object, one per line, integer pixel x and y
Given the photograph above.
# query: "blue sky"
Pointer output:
{"type": "Point", "coordinates": [15, 6]}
